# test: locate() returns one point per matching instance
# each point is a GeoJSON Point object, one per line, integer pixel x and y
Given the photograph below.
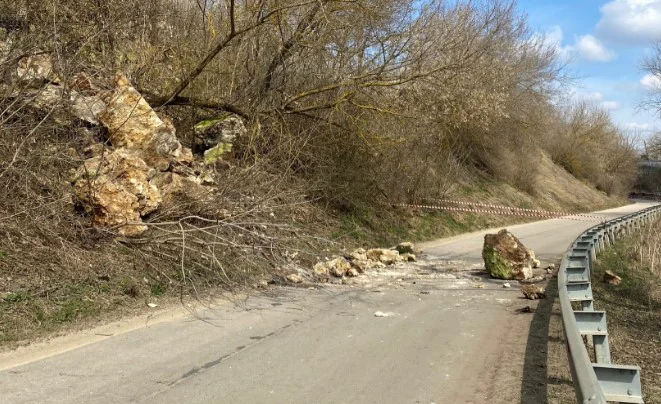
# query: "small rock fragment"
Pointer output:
{"type": "Point", "coordinates": [612, 278]}
{"type": "Point", "coordinates": [533, 292]}
{"type": "Point", "coordinates": [383, 314]}
{"type": "Point", "coordinates": [294, 278]}
{"type": "Point", "coordinates": [362, 265]}
{"type": "Point", "coordinates": [320, 270]}
{"type": "Point", "coordinates": [506, 285]}
{"type": "Point", "coordinates": [338, 267]}
{"type": "Point", "coordinates": [152, 305]}
{"type": "Point", "coordinates": [405, 248]}
{"type": "Point", "coordinates": [357, 255]}
{"type": "Point", "coordinates": [535, 279]}
{"type": "Point", "coordinates": [352, 272]}
{"type": "Point", "coordinates": [387, 257]}
{"type": "Point", "coordinates": [408, 257]}
{"type": "Point", "coordinates": [550, 269]}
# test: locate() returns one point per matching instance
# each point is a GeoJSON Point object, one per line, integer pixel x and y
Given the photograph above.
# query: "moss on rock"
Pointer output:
{"type": "Point", "coordinates": [217, 152]}
{"type": "Point", "coordinates": [203, 126]}
{"type": "Point", "coordinates": [495, 264]}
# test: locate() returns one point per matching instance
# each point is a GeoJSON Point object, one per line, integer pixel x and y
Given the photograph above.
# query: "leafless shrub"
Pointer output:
{"type": "Point", "coordinates": [348, 103]}
{"type": "Point", "coordinates": [591, 147]}
{"type": "Point", "coordinates": [648, 254]}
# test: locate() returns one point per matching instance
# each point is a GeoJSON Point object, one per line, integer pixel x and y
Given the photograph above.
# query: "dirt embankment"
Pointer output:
{"type": "Point", "coordinates": [143, 220]}
{"type": "Point", "coordinates": [59, 286]}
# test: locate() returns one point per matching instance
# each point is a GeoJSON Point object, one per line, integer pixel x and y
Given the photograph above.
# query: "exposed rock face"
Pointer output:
{"type": "Point", "coordinates": [505, 257]}
{"type": "Point", "coordinates": [115, 189]}
{"type": "Point", "coordinates": [133, 124]}
{"type": "Point", "coordinates": [215, 137]}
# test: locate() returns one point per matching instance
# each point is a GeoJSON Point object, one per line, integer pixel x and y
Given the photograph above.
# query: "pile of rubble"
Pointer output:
{"type": "Point", "coordinates": [142, 167]}
{"type": "Point", "coordinates": [361, 260]}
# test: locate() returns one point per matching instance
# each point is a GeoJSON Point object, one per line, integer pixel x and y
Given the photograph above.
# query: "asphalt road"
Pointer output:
{"type": "Point", "coordinates": [451, 336]}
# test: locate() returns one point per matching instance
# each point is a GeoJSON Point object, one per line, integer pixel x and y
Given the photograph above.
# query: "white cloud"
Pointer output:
{"type": "Point", "coordinates": [577, 94]}
{"type": "Point", "coordinates": [589, 48]}
{"type": "Point", "coordinates": [549, 39]}
{"type": "Point", "coordinates": [610, 105]}
{"type": "Point", "coordinates": [585, 47]}
{"type": "Point", "coordinates": [638, 126]}
{"type": "Point", "coordinates": [630, 21]}
{"type": "Point", "coordinates": [651, 82]}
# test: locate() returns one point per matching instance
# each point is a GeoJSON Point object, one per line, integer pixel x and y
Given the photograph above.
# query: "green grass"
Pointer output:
{"type": "Point", "coordinates": [17, 297]}
{"type": "Point", "coordinates": [157, 289]}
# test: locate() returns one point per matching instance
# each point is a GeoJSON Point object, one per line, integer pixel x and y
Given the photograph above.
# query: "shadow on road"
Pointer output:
{"type": "Point", "coordinates": [534, 385]}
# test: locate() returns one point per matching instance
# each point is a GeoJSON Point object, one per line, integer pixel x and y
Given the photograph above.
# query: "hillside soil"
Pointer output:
{"type": "Point", "coordinates": [49, 289]}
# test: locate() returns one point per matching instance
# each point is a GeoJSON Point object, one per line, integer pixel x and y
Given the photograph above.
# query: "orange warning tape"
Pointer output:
{"type": "Point", "coordinates": [507, 211]}
{"type": "Point", "coordinates": [545, 212]}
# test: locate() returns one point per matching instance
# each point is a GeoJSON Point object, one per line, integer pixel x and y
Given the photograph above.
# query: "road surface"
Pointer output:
{"type": "Point", "coordinates": [451, 336]}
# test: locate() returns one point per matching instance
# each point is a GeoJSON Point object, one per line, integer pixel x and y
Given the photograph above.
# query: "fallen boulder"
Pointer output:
{"type": "Point", "coordinates": [133, 124]}
{"type": "Point", "coordinates": [215, 137]}
{"type": "Point", "coordinates": [115, 189]}
{"type": "Point", "coordinates": [64, 104]}
{"type": "Point", "coordinates": [359, 254]}
{"type": "Point", "coordinates": [119, 185]}
{"type": "Point", "coordinates": [505, 257]}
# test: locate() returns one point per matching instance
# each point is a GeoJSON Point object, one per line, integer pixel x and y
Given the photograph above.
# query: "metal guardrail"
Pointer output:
{"type": "Point", "coordinates": [602, 381]}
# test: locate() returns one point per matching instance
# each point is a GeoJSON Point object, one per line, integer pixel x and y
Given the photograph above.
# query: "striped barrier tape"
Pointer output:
{"type": "Point", "coordinates": [545, 212]}
{"type": "Point", "coordinates": [503, 212]}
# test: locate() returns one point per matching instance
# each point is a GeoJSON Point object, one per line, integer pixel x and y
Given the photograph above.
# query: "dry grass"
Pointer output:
{"type": "Point", "coordinates": [634, 306]}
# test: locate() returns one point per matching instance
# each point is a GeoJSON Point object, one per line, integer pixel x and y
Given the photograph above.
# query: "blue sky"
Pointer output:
{"type": "Point", "coordinates": [604, 43]}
